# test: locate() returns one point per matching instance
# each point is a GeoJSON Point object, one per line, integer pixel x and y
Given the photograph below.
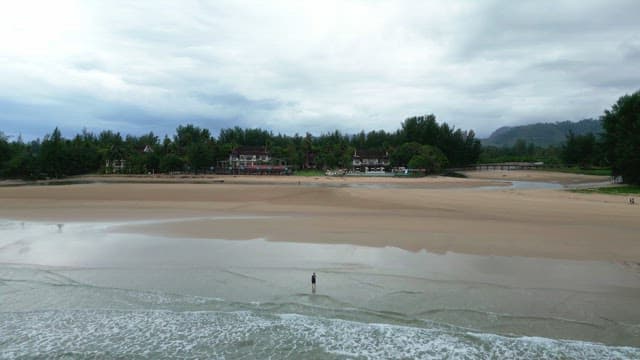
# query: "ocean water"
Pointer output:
{"type": "Point", "coordinates": [80, 290]}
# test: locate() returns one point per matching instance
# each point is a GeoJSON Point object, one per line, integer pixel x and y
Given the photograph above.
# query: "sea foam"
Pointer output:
{"type": "Point", "coordinates": [256, 334]}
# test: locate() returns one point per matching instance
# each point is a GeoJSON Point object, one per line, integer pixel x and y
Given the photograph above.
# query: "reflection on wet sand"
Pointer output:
{"type": "Point", "coordinates": [89, 267]}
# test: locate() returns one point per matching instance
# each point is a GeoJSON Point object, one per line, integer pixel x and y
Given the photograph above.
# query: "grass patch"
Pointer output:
{"type": "Point", "coordinates": [309, 173]}
{"type": "Point", "coordinates": [615, 190]}
{"type": "Point", "coordinates": [578, 170]}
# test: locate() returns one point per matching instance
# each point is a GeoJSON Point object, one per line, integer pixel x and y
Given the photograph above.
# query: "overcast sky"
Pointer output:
{"type": "Point", "coordinates": [310, 66]}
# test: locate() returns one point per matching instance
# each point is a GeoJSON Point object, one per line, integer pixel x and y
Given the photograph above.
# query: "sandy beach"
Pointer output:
{"type": "Point", "coordinates": [435, 213]}
{"type": "Point", "coordinates": [408, 268]}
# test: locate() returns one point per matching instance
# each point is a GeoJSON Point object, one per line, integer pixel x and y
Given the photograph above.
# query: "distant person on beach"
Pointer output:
{"type": "Point", "coordinates": [313, 282]}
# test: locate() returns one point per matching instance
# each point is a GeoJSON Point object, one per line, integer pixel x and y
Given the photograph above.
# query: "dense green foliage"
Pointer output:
{"type": "Point", "coordinates": [616, 151]}
{"type": "Point", "coordinates": [420, 143]}
{"type": "Point", "coordinates": [542, 134]}
{"type": "Point", "coordinates": [417, 156]}
{"type": "Point", "coordinates": [578, 151]}
{"type": "Point", "coordinates": [622, 137]}
{"type": "Point", "coordinates": [459, 147]}
{"type": "Point", "coordinates": [583, 150]}
{"type": "Point", "coordinates": [597, 171]}
{"type": "Point", "coordinates": [192, 149]}
{"type": "Point", "coordinates": [522, 151]}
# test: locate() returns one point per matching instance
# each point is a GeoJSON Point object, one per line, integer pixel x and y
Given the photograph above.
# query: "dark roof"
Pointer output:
{"type": "Point", "coordinates": [250, 150]}
{"type": "Point", "coordinates": [371, 154]}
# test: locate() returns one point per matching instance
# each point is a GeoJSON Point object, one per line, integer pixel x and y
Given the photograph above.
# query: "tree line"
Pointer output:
{"type": "Point", "coordinates": [420, 142]}
{"type": "Point", "coordinates": [617, 147]}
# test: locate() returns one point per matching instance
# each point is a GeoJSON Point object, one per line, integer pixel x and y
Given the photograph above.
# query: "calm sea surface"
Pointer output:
{"type": "Point", "coordinates": [80, 290]}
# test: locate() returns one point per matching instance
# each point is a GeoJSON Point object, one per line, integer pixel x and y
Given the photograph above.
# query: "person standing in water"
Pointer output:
{"type": "Point", "coordinates": [313, 282]}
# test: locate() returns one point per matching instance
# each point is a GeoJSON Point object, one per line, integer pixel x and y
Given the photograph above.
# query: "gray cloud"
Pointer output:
{"type": "Point", "coordinates": [293, 66]}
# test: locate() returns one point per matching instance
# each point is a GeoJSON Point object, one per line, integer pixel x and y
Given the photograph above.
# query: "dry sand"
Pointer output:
{"type": "Point", "coordinates": [537, 175]}
{"type": "Point", "coordinates": [436, 214]}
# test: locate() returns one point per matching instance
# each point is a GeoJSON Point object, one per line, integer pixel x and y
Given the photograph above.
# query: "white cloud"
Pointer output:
{"type": "Point", "coordinates": [295, 66]}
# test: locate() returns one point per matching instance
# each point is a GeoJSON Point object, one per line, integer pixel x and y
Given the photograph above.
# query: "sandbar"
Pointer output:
{"type": "Point", "coordinates": [436, 214]}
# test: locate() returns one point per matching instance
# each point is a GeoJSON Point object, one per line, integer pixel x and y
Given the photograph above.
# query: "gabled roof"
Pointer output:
{"type": "Point", "coordinates": [250, 150]}
{"type": "Point", "coordinates": [370, 154]}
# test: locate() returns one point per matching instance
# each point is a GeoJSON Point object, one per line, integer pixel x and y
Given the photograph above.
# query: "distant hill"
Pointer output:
{"type": "Point", "coordinates": [542, 134]}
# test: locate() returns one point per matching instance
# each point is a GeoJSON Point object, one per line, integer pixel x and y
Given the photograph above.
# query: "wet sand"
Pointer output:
{"type": "Point", "coordinates": [437, 214]}
{"type": "Point", "coordinates": [497, 294]}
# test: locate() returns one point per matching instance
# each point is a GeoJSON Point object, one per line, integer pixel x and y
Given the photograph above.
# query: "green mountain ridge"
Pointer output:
{"type": "Point", "coordinates": [542, 134]}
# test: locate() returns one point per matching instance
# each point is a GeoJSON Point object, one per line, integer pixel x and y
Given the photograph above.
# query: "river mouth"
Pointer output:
{"type": "Point", "coordinates": [82, 287]}
{"type": "Point", "coordinates": [499, 183]}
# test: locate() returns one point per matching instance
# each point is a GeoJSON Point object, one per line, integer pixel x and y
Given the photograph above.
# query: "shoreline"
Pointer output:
{"type": "Point", "coordinates": [473, 179]}
{"type": "Point", "coordinates": [439, 215]}
{"type": "Point", "coordinates": [428, 181]}
{"type": "Point", "coordinates": [90, 266]}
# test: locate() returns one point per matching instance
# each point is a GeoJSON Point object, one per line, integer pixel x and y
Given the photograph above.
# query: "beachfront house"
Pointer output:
{"type": "Point", "coordinates": [254, 160]}
{"type": "Point", "coordinates": [246, 156]}
{"type": "Point", "coordinates": [310, 160]}
{"type": "Point", "coordinates": [370, 161]}
{"type": "Point", "coordinates": [117, 166]}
